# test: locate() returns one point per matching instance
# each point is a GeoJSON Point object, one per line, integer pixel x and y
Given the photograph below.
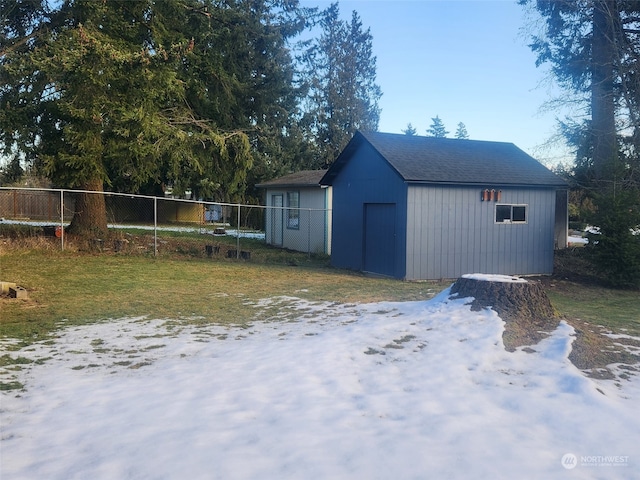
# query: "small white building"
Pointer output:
{"type": "Point", "coordinates": [298, 213]}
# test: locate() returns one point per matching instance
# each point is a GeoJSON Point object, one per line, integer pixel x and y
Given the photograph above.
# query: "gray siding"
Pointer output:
{"type": "Point", "coordinates": [450, 232]}
{"type": "Point", "coordinates": [314, 232]}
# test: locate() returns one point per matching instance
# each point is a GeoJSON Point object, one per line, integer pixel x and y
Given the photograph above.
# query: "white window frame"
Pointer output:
{"type": "Point", "coordinates": [510, 221]}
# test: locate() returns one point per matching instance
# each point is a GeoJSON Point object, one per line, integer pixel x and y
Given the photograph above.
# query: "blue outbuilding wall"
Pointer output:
{"type": "Point", "coordinates": [369, 186]}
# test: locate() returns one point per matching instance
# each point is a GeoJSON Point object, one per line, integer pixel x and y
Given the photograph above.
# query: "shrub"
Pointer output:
{"type": "Point", "coordinates": [616, 246]}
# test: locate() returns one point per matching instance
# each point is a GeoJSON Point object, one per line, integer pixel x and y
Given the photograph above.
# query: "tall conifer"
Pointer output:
{"type": "Point", "coordinates": [593, 48]}
{"type": "Point", "coordinates": [341, 77]}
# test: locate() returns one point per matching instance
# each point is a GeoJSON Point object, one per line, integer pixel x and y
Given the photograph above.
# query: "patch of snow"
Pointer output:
{"type": "Point", "coordinates": [620, 335]}
{"type": "Point", "coordinates": [33, 223]}
{"type": "Point", "coordinates": [576, 239]}
{"type": "Point", "coordinates": [485, 277]}
{"type": "Point", "coordinates": [386, 390]}
{"type": "Point", "coordinates": [184, 229]}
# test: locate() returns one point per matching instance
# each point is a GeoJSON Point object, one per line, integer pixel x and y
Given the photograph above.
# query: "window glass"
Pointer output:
{"type": "Point", "coordinates": [503, 212]}
{"type": "Point", "coordinates": [519, 213]}
{"type": "Point", "coordinates": [293, 212]}
{"type": "Point", "coordinates": [511, 213]}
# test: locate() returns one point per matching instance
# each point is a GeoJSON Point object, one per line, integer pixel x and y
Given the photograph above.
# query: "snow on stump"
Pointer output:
{"type": "Point", "coordinates": [523, 305]}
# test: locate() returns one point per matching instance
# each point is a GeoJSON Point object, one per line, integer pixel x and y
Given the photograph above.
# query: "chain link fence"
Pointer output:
{"type": "Point", "coordinates": [224, 228]}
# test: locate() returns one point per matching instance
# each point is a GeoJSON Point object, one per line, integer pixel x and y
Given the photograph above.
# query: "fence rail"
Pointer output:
{"type": "Point", "coordinates": [55, 208]}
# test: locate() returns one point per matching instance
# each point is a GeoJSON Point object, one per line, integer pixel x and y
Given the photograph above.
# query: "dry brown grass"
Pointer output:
{"type": "Point", "coordinates": [80, 287]}
{"type": "Point", "coordinates": [83, 284]}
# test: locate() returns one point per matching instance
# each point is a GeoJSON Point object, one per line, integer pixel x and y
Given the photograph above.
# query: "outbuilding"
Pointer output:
{"type": "Point", "coordinates": [419, 208]}
{"type": "Point", "coordinates": [298, 213]}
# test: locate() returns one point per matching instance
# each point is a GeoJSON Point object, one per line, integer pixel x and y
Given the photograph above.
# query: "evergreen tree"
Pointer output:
{"type": "Point", "coordinates": [133, 94]}
{"type": "Point", "coordinates": [240, 76]}
{"type": "Point", "coordinates": [12, 172]}
{"type": "Point", "coordinates": [340, 72]}
{"type": "Point", "coordinates": [594, 50]}
{"type": "Point", "coordinates": [437, 128]}
{"type": "Point", "coordinates": [461, 132]}
{"type": "Point", "coordinates": [410, 130]}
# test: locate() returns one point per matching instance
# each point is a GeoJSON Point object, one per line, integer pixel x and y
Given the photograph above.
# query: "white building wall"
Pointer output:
{"type": "Point", "coordinates": [313, 233]}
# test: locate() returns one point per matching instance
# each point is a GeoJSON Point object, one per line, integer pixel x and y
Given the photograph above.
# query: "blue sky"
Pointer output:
{"type": "Point", "coordinates": [465, 61]}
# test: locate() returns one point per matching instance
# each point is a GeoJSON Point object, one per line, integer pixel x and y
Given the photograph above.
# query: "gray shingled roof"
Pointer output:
{"type": "Point", "coordinates": [303, 178]}
{"type": "Point", "coordinates": [451, 161]}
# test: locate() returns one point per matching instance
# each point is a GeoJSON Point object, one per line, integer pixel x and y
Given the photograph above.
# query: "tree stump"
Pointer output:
{"type": "Point", "coordinates": [523, 305]}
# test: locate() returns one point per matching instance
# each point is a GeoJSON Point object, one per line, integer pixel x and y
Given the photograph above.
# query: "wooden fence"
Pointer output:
{"type": "Point", "coordinates": [34, 205]}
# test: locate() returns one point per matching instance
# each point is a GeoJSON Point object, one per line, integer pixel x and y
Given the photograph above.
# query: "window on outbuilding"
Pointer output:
{"type": "Point", "coordinates": [511, 213]}
{"type": "Point", "coordinates": [293, 210]}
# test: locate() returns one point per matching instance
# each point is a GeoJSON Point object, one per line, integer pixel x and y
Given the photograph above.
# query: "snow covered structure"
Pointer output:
{"type": "Point", "coordinates": [414, 208]}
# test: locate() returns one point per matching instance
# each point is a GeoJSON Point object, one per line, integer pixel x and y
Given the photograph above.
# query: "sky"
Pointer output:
{"type": "Point", "coordinates": [464, 61]}
{"type": "Point", "coordinates": [391, 390]}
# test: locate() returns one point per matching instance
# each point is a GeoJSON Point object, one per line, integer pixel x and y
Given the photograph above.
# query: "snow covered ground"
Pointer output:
{"type": "Point", "coordinates": [206, 229]}
{"type": "Point", "coordinates": [376, 391]}
{"type": "Point", "coordinates": [577, 240]}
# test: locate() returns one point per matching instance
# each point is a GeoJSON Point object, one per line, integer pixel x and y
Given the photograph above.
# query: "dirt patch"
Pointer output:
{"type": "Point", "coordinates": [117, 243]}
{"type": "Point", "coordinates": [594, 351]}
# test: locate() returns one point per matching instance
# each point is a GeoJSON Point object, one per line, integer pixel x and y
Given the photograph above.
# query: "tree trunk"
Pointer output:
{"type": "Point", "coordinates": [605, 150]}
{"type": "Point", "coordinates": [523, 305]}
{"type": "Point", "coordinates": [90, 216]}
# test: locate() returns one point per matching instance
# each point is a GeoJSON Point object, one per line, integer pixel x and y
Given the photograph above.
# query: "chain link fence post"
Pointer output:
{"type": "Point", "coordinates": [155, 226]}
{"type": "Point", "coordinates": [62, 219]}
{"type": "Point", "coordinates": [238, 234]}
{"type": "Point", "coordinates": [309, 233]}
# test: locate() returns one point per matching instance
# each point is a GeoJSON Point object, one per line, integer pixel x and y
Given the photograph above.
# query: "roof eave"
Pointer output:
{"type": "Point", "coordinates": [289, 185]}
{"type": "Point", "coordinates": [485, 184]}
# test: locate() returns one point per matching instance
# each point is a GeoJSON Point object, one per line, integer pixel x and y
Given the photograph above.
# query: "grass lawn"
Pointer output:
{"type": "Point", "coordinates": [182, 283]}
{"type": "Point", "coordinates": [614, 309]}
{"type": "Point", "coordinates": [78, 288]}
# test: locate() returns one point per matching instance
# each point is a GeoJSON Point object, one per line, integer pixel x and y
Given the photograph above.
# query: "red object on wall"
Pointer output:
{"type": "Point", "coordinates": [492, 195]}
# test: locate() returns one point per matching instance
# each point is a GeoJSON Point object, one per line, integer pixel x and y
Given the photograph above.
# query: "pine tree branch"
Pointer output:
{"type": "Point", "coordinates": [14, 46]}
